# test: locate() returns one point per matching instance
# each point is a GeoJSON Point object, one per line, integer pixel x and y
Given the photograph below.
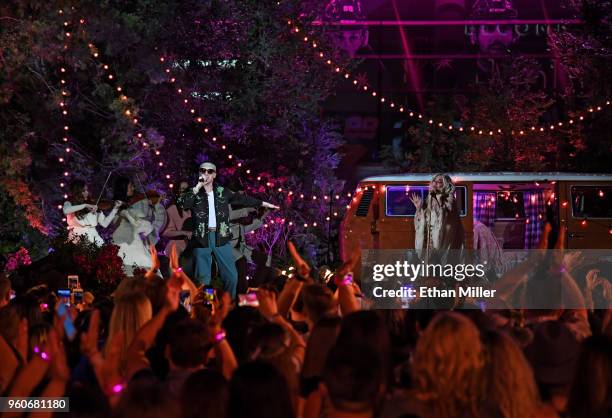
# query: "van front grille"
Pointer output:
{"type": "Point", "coordinates": [364, 203]}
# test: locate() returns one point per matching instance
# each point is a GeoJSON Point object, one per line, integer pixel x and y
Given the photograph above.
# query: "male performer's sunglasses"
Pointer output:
{"type": "Point", "coordinates": [207, 170]}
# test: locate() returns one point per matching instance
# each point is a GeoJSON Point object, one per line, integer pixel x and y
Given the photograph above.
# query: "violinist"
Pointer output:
{"type": "Point", "coordinates": [139, 224]}
{"type": "Point", "coordinates": [177, 230]}
{"type": "Point", "coordinates": [83, 215]}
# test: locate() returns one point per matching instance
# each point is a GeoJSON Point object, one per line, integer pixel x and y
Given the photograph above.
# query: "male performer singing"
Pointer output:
{"type": "Point", "coordinates": [210, 209]}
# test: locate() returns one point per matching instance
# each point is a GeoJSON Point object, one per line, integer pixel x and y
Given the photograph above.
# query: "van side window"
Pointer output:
{"type": "Point", "coordinates": [364, 203]}
{"type": "Point", "coordinates": [591, 201]}
{"type": "Point", "coordinates": [398, 201]}
{"type": "Point", "coordinates": [510, 205]}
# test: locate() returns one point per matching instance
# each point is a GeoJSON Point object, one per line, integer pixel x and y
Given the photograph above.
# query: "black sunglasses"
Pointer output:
{"type": "Point", "coordinates": [207, 170]}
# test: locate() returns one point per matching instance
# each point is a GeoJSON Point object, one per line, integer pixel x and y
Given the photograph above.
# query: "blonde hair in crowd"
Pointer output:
{"type": "Point", "coordinates": [449, 367]}
{"type": "Point", "coordinates": [511, 384]}
{"type": "Point", "coordinates": [132, 310]}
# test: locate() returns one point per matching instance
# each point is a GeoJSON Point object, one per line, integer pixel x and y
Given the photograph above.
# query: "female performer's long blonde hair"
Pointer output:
{"type": "Point", "coordinates": [449, 187]}
{"type": "Point", "coordinates": [132, 310]}
{"type": "Point", "coordinates": [449, 367]}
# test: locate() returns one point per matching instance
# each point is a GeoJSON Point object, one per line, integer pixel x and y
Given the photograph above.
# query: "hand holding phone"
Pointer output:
{"type": "Point", "coordinates": [64, 296]}
{"type": "Point", "coordinates": [73, 281]}
{"type": "Point", "coordinates": [185, 300]}
{"type": "Point", "coordinates": [248, 299]}
{"type": "Point", "coordinates": [77, 296]}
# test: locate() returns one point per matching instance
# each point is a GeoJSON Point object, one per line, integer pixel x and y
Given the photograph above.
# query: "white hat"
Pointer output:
{"type": "Point", "coordinates": [209, 166]}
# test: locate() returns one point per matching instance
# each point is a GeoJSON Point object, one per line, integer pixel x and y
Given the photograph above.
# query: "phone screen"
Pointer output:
{"type": "Point", "coordinates": [248, 299]}
{"type": "Point", "coordinates": [73, 281]}
{"type": "Point", "coordinates": [69, 328]}
{"type": "Point", "coordinates": [77, 296]}
{"type": "Point", "coordinates": [64, 296]}
{"type": "Point", "coordinates": [185, 299]}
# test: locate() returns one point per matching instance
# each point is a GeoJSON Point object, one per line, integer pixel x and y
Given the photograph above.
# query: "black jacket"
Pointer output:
{"type": "Point", "coordinates": [198, 204]}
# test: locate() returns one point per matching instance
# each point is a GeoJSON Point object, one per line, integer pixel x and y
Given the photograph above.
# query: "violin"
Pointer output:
{"type": "Point", "coordinates": [103, 204]}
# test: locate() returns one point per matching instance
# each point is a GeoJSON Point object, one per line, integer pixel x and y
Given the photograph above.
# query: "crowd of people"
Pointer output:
{"type": "Point", "coordinates": [306, 349]}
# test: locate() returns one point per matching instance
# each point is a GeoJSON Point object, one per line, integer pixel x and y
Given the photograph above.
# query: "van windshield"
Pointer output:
{"type": "Point", "coordinates": [398, 201]}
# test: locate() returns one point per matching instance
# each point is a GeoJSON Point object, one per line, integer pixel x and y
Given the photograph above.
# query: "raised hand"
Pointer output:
{"type": "Point", "coordinates": [592, 279]}
{"type": "Point", "coordinates": [542, 246]}
{"type": "Point", "coordinates": [173, 291]}
{"type": "Point", "coordinates": [174, 259]}
{"type": "Point", "coordinates": [303, 268]}
{"type": "Point", "coordinates": [22, 339]}
{"type": "Point", "coordinates": [59, 366]}
{"type": "Point", "coordinates": [267, 303]}
{"type": "Point", "coordinates": [218, 313]}
{"type": "Point", "coordinates": [110, 372]}
{"type": "Point", "coordinates": [416, 201]}
{"type": "Point", "coordinates": [350, 264]}
{"type": "Point", "coordinates": [155, 264]}
{"type": "Point", "coordinates": [89, 339]}
{"type": "Point", "coordinates": [572, 260]}
{"type": "Point", "coordinates": [269, 206]}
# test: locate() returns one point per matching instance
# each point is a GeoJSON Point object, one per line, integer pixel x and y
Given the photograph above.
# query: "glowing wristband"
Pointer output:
{"type": "Point", "coordinates": [347, 280]}
{"type": "Point", "coordinates": [116, 389]}
{"type": "Point", "coordinates": [42, 354]}
{"type": "Point", "coordinates": [220, 336]}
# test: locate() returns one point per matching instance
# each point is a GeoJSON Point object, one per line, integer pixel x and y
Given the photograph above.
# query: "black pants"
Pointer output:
{"type": "Point", "coordinates": [241, 266]}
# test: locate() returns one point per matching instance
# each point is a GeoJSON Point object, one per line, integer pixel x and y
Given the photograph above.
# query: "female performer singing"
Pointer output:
{"type": "Point", "coordinates": [139, 225]}
{"type": "Point", "coordinates": [437, 223]}
{"type": "Point", "coordinates": [83, 217]}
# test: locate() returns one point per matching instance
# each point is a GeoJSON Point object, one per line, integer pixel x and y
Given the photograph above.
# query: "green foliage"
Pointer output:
{"type": "Point", "coordinates": [16, 231]}
{"type": "Point", "coordinates": [509, 103]}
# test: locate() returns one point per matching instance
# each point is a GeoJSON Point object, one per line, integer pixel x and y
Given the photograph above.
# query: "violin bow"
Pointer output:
{"type": "Point", "coordinates": [104, 187]}
{"type": "Point", "coordinates": [144, 191]}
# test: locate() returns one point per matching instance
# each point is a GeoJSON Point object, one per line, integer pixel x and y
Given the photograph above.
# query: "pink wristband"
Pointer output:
{"type": "Point", "coordinates": [118, 388]}
{"type": "Point", "coordinates": [220, 336]}
{"type": "Point", "coordinates": [348, 279]}
{"type": "Point", "coordinates": [42, 354]}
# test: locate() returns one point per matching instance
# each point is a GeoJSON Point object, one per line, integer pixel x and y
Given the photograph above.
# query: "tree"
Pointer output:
{"type": "Point", "coordinates": [257, 87]}
{"type": "Point", "coordinates": [500, 128]}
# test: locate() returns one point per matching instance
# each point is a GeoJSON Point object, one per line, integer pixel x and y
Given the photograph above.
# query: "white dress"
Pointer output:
{"type": "Point", "coordinates": [438, 227]}
{"type": "Point", "coordinates": [139, 227]}
{"type": "Point", "coordinates": [86, 225]}
{"type": "Point", "coordinates": [136, 253]}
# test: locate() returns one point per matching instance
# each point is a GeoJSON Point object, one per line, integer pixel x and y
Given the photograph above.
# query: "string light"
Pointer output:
{"type": "Point", "coordinates": [63, 106]}
{"type": "Point", "coordinates": [130, 112]}
{"type": "Point", "coordinates": [231, 156]}
{"type": "Point", "coordinates": [365, 85]}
